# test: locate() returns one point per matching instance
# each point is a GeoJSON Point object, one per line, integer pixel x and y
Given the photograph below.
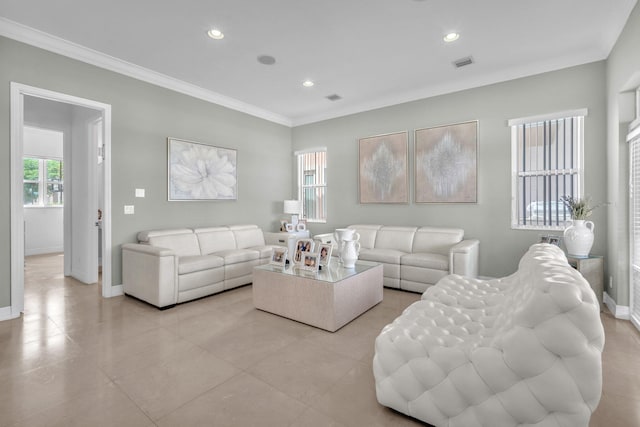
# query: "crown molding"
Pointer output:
{"type": "Point", "coordinates": [457, 85]}
{"type": "Point", "coordinates": [40, 39]}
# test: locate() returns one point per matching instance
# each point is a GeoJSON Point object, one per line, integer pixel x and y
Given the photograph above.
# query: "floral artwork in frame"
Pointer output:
{"type": "Point", "coordinates": [201, 172]}
{"type": "Point", "coordinates": [383, 173]}
{"type": "Point", "coordinates": [446, 164]}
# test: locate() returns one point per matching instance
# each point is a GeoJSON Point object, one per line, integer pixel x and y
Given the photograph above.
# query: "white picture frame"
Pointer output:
{"type": "Point", "coordinates": [324, 254]}
{"type": "Point", "coordinates": [302, 245]}
{"type": "Point", "coordinates": [278, 256]}
{"type": "Point", "coordinates": [310, 261]}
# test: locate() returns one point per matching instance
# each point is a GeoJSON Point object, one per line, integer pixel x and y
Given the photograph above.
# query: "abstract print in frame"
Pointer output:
{"type": "Point", "coordinates": [201, 172]}
{"type": "Point", "coordinates": [383, 174]}
{"type": "Point", "coordinates": [446, 163]}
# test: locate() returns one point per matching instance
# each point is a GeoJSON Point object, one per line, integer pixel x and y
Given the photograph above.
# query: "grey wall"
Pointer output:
{"type": "Point", "coordinates": [623, 75]}
{"type": "Point", "coordinates": [490, 219]}
{"type": "Point", "coordinates": [143, 116]}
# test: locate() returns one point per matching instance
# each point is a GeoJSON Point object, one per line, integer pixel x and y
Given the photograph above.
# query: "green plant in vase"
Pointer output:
{"type": "Point", "coordinates": [580, 209]}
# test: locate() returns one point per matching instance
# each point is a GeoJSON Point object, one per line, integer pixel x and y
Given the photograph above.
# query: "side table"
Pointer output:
{"type": "Point", "coordinates": [592, 268]}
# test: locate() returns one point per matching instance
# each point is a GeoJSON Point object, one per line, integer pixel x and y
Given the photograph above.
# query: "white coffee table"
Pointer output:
{"type": "Point", "coordinates": [328, 299]}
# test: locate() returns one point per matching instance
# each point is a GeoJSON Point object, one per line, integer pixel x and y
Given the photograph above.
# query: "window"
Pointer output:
{"type": "Point", "coordinates": [312, 184]}
{"type": "Point", "coordinates": [546, 158]}
{"type": "Point", "coordinates": [42, 182]}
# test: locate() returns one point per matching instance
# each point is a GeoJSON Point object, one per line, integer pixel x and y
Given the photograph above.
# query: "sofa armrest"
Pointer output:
{"type": "Point", "coordinates": [464, 258]}
{"type": "Point", "coordinates": [327, 239]}
{"type": "Point", "coordinates": [150, 273]}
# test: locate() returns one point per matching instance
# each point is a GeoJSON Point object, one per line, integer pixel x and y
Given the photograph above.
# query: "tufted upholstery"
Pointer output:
{"type": "Point", "coordinates": [524, 350]}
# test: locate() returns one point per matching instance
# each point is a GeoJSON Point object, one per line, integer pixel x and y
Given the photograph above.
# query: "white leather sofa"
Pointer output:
{"type": "Point", "coordinates": [522, 350]}
{"type": "Point", "coordinates": [172, 266]}
{"type": "Point", "coordinates": [415, 258]}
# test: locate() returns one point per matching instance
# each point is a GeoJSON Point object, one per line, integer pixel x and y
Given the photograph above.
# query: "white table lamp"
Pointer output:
{"type": "Point", "coordinates": [292, 207]}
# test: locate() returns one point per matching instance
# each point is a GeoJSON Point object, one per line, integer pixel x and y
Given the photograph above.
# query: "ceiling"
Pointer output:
{"type": "Point", "coordinates": [372, 53]}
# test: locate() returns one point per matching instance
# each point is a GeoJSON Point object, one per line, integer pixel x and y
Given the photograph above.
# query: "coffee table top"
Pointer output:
{"type": "Point", "coordinates": [332, 273]}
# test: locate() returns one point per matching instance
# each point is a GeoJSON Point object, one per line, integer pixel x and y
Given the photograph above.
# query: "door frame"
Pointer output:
{"type": "Point", "coordinates": [18, 91]}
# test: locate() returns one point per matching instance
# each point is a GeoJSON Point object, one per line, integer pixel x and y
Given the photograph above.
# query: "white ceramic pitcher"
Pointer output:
{"type": "Point", "coordinates": [342, 234]}
{"type": "Point", "coordinates": [346, 234]}
{"type": "Point", "coordinates": [349, 253]}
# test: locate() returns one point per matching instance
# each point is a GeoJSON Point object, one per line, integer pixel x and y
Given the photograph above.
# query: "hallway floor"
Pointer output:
{"type": "Point", "coordinates": [75, 358]}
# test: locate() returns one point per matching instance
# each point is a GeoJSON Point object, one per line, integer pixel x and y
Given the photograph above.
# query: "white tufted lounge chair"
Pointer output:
{"type": "Point", "coordinates": [524, 350]}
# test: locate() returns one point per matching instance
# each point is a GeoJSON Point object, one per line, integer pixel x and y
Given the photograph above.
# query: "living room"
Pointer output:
{"type": "Point", "coordinates": [145, 115]}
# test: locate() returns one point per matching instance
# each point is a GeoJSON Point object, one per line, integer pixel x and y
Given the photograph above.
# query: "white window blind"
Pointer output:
{"type": "Point", "coordinates": [312, 185]}
{"type": "Point", "coordinates": [634, 217]}
{"type": "Point", "coordinates": [546, 154]}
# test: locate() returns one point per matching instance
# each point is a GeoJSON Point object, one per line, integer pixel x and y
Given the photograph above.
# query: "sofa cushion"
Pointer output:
{"type": "Point", "coordinates": [182, 243]}
{"type": "Point", "coordinates": [190, 264]}
{"type": "Point", "coordinates": [247, 236]}
{"type": "Point", "coordinates": [367, 234]}
{"type": "Point", "coordinates": [387, 256]}
{"type": "Point", "coordinates": [263, 251]}
{"type": "Point", "coordinates": [435, 261]}
{"type": "Point", "coordinates": [436, 240]}
{"type": "Point", "coordinates": [215, 239]}
{"type": "Point", "coordinates": [398, 238]}
{"type": "Point", "coordinates": [234, 256]}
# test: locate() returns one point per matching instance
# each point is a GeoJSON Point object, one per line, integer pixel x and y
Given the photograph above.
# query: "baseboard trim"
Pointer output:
{"type": "Point", "coordinates": [619, 311]}
{"type": "Point", "coordinates": [8, 313]}
{"type": "Point", "coordinates": [116, 291]}
{"type": "Point", "coordinates": [43, 251]}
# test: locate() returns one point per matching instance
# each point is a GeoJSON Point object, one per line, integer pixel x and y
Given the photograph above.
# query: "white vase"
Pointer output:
{"type": "Point", "coordinates": [350, 252]}
{"type": "Point", "coordinates": [578, 238]}
{"type": "Point", "coordinates": [342, 234]}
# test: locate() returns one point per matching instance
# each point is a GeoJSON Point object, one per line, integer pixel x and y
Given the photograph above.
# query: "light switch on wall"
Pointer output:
{"type": "Point", "coordinates": [129, 209]}
{"type": "Point", "coordinates": [139, 192]}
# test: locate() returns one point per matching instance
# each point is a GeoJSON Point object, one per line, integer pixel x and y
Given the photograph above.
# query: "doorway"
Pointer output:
{"type": "Point", "coordinates": [87, 187]}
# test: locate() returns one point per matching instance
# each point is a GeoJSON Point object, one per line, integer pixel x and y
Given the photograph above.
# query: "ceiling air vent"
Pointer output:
{"type": "Point", "coordinates": [334, 97]}
{"type": "Point", "coordinates": [462, 62]}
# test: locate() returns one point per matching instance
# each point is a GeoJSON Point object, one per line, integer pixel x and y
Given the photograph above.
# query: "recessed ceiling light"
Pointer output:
{"type": "Point", "coordinates": [214, 33]}
{"type": "Point", "coordinates": [451, 37]}
{"type": "Point", "coordinates": [307, 83]}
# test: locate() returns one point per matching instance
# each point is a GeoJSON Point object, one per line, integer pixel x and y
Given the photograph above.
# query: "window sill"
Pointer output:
{"type": "Point", "coordinates": [537, 228]}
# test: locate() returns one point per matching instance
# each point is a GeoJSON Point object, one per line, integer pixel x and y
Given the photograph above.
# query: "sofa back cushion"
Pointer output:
{"type": "Point", "coordinates": [436, 240]}
{"type": "Point", "coordinates": [182, 241]}
{"type": "Point", "coordinates": [215, 239]}
{"type": "Point", "coordinates": [367, 234]}
{"type": "Point", "coordinates": [247, 236]}
{"type": "Point", "coordinates": [397, 238]}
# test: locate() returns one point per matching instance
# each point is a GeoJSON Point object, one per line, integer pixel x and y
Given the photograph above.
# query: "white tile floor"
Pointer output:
{"type": "Point", "coordinates": [75, 358]}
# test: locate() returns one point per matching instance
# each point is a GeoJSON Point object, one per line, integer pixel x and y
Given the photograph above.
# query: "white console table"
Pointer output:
{"type": "Point", "coordinates": [286, 239]}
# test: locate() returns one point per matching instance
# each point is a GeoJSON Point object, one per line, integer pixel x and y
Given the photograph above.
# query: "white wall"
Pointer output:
{"type": "Point", "coordinates": [44, 230]}
{"type": "Point", "coordinates": [623, 77]}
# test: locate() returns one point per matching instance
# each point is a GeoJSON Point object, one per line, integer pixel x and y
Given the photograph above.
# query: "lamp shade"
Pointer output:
{"type": "Point", "coordinates": [292, 206]}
